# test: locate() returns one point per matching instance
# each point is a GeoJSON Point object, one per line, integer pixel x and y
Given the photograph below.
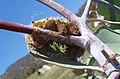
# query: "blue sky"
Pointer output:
{"type": "Point", "coordinates": [12, 45]}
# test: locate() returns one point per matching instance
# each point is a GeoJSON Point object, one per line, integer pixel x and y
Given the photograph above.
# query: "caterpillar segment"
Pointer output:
{"type": "Point", "coordinates": [61, 27]}
{"type": "Point", "coordinates": [39, 23]}
{"type": "Point", "coordinates": [73, 29]}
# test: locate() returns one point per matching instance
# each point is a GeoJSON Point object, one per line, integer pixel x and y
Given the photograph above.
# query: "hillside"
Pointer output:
{"type": "Point", "coordinates": [57, 72]}
{"type": "Point", "coordinates": [27, 68]}
{"type": "Point", "coordinates": [22, 68]}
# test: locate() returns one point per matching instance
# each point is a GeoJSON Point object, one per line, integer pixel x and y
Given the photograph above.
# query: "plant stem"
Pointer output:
{"type": "Point", "coordinates": [100, 20]}
{"type": "Point", "coordinates": [85, 13]}
{"type": "Point", "coordinates": [15, 27]}
{"type": "Point", "coordinates": [58, 8]}
{"type": "Point", "coordinates": [75, 67]}
{"type": "Point", "coordinates": [50, 35]}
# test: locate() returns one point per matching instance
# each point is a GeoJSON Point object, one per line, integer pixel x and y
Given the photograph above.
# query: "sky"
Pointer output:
{"type": "Point", "coordinates": [12, 44]}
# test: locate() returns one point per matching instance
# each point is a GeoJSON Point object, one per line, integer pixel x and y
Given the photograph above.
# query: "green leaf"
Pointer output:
{"type": "Point", "coordinates": [108, 13]}
{"type": "Point", "coordinates": [51, 58]}
{"type": "Point", "coordinates": [110, 38]}
{"type": "Point", "coordinates": [92, 62]}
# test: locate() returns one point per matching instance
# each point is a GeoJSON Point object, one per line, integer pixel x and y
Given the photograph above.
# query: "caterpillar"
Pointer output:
{"type": "Point", "coordinates": [64, 27]}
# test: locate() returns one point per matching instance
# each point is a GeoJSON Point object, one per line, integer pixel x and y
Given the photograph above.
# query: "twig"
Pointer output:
{"type": "Point", "coordinates": [29, 30]}
{"type": "Point", "coordinates": [109, 5]}
{"type": "Point", "coordinates": [74, 67]}
{"type": "Point", "coordinates": [87, 7]}
{"type": "Point", "coordinates": [100, 20]}
{"type": "Point", "coordinates": [50, 35]}
{"type": "Point", "coordinates": [15, 27]}
{"type": "Point", "coordinates": [60, 9]}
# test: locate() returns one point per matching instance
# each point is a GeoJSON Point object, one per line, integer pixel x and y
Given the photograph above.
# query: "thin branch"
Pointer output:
{"type": "Point", "coordinates": [15, 27]}
{"type": "Point", "coordinates": [100, 20]}
{"type": "Point", "coordinates": [50, 35]}
{"type": "Point", "coordinates": [109, 5]}
{"type": "Point", "coordinates": [87, 7]}
{"type": "Point", "coordinates": [74, 67]}
{"type": "Point", "coordinates": [58, 8]}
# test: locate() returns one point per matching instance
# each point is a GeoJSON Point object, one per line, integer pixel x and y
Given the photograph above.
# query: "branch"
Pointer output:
{"type": "Point", "coordinates": [100, 20]}
{"type": "Point", "coordinates": [75, 67]}
{"type": "Point", "coordinates": [58, 8]}
{"type": "Point", "coordinates": [50, 35]}
{"type": "Point", "coordinates": [15, 27]}
{"type": "Point", "coordinates": [87, 7]}
{"type": "Point", "coordinates": [109, 5]}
